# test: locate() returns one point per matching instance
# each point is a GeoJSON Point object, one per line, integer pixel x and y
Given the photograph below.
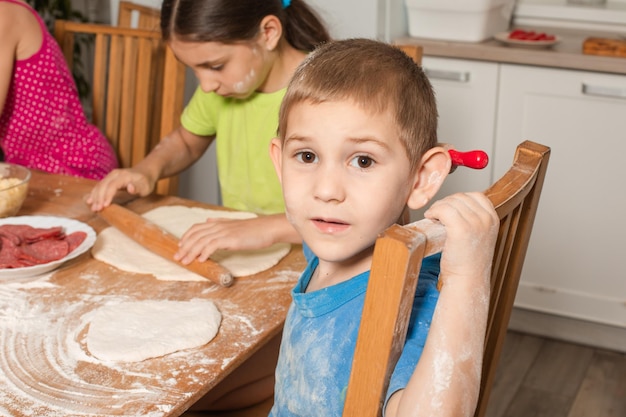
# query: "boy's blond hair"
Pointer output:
{"type": "Point", "coordinates": [376, 76]}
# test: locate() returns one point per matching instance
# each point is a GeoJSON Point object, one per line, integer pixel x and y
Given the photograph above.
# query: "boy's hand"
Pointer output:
{"type": "Point", "coordinates": [454, 348]}
{"type": "Point", "coordinates": [133, 181]}
{"type": "Point", "coordinates": [471, 231]}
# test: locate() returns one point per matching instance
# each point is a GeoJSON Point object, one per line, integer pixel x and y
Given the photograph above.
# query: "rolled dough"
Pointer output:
{"type": "Point", "coordinates": [138, 330]}
{"type": "Point", "coordinates": [115, 248]}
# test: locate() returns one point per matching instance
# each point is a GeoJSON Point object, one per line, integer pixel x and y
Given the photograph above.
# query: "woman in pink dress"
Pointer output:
{"type": "Point", "coordinates": [42, 122]}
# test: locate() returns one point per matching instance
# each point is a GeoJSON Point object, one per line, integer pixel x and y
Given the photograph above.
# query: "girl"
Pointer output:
{"type": "Point", "coordinates": [42, 123]}
{"type": "Point", "coordinates": [243, 53]}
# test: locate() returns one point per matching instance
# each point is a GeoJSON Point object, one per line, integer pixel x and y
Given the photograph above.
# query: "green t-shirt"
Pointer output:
{"type": "Point", "coordinates": [243, 129]}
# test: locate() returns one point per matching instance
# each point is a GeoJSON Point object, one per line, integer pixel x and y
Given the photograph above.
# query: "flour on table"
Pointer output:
{"type": "Point", "coordinates": [137, 330]}
{"type": "Point", "coordinates": [115, 248]}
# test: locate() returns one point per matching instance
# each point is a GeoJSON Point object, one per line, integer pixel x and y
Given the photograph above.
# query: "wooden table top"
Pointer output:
{"type": "Point", "coordinates": [45, 368]}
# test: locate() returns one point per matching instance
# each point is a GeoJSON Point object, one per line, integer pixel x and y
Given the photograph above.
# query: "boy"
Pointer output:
{"type": "Point", "coordinates": [357, 145]}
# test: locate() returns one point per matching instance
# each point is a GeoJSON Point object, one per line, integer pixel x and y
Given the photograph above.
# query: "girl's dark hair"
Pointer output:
{"type": "Point", "coordinates": [229, 21]}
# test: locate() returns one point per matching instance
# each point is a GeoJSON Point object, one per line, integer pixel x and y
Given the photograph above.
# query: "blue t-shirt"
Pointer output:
{"type": "Point", "coordinates": [320, 336]}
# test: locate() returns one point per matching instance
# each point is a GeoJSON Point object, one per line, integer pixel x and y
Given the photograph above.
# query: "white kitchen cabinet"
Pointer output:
{"type": "Point", "coordinates": [574, 263]}
{"type": "Point", "coordinates": [466, 94]}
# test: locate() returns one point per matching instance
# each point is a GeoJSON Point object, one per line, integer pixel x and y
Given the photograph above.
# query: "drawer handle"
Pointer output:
{"type": "Point", "coordinates": [459, 76]}
{"type": "Point", "coordinates": [596, 90]}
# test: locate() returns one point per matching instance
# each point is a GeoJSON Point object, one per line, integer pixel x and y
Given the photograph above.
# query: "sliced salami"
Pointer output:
{"type": "Point", "coordinates": [75, 239]}
{"type": "Point", "coordinates": [44, 251]}
{"type": "Point", "coordinates": [9, 253]}
{"type": "Point", "coordinates": [24, 245]}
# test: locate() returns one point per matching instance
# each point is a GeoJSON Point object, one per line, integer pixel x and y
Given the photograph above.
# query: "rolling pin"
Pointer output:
{"type": "Point", "coordinates": [161, 242]}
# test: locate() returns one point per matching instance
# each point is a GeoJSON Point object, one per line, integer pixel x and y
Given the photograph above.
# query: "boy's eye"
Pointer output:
{"type": "Point", "coordinates": [217, 67]}
{"type": "Point", "coordinates": [362, 161]}
{"type": "Point", "coordinates": [306, 157]}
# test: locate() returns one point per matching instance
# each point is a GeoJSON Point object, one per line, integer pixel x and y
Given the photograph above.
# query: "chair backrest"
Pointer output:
{"type": "Point", "coordinates": [137, 87]}
{"type": "Point", "coordinates": [414, 51]}
{"type": "Point", "coordinates": [147, 17]}
{"type": "Point", "coordinates": [393, 278]}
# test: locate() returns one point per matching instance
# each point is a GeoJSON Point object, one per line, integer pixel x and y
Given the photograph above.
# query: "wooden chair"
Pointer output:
{"type": "Point", "coordinates": [393, 279]}
{"type": "Point", "coordinates": [137, 87]}
{"type": "Point", "coordinates": [414, 51]}
{"type": "Point", "coordinates": [147, 17]}
{"type": "Point", "coordinates": [398, 254]}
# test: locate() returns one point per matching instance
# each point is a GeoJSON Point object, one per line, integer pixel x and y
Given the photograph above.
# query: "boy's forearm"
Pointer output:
{"type": "Point", "coordinates": [446, 380]}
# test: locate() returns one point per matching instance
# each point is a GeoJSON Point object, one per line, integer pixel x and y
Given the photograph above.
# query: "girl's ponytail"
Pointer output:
{"type": "Point", "coordinates": [303, 28]}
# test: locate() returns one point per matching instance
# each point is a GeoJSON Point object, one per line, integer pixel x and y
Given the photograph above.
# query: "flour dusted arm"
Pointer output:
{"type": "Point", "coordinates": [446, 380]}
{"type": "Point", "coordinates": [176, 151]}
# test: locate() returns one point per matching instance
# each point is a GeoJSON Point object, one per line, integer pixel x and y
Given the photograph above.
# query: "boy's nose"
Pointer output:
{"type": "Point", "coordinates": [329, 185]}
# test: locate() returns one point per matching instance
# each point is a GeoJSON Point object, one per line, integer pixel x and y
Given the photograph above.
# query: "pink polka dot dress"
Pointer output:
{"type": "Point", "coordinates": [43, 125]}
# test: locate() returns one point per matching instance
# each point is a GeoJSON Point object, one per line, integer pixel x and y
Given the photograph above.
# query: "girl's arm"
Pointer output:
{"type": "Point", "coordinates": [177, 151]}
{"type": "Point", "coordinates": [446, 380]}
{"type": "Point", "coordinates": [8, 48]}
{"type": "Point", "coordinates": [20, 38]}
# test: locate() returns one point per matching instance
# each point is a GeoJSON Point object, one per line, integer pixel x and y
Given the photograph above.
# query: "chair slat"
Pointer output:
{"type": "Point", "coordinates": [142, 90]}
{"type": "Point", "coordinates": [127, 116]}
{"type": "Point", "coordinates": [400, 254]}
{"type": "Point", "coordinates": [174, 73]}
{"type": "Point", "coordinates": [99, 83]}
{"type": "Point", "coordinates": [114, 89]}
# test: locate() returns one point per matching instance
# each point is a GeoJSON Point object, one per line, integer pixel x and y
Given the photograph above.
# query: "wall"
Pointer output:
{"type": "Point", "coordinates": [377, 19]}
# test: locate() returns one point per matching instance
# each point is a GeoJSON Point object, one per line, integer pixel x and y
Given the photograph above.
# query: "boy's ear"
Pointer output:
{"type": "Point", "coordinates": [270, 31]}
{"type": "Point", "coordinates": [276, 152]}
{"type": "Point", "coordinates": [433, 170]}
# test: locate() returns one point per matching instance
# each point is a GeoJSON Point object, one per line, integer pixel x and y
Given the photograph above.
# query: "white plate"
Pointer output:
{"type": "Point", "coordinates": [504, 38]}
{"type": "Point", "coordinates": [69, 226]}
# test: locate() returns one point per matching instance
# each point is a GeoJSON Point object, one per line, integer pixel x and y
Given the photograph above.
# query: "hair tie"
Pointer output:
{"type": "Point", "coordinates": [286, 3]}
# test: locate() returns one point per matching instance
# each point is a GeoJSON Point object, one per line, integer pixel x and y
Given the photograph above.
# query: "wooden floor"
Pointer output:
{"type": "Point", "coordinates": [540, 377]}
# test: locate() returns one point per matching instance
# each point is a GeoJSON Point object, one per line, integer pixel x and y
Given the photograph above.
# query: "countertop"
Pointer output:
{"type": "Point", "coordinates": [566, 54]}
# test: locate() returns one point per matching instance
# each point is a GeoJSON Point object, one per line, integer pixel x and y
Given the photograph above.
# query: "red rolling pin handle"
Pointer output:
{"type": "Point", "coordinates": [470, 159]}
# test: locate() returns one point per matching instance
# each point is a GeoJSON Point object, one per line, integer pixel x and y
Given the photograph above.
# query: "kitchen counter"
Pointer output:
{"type": "Point", "coordinates": [565, 54]}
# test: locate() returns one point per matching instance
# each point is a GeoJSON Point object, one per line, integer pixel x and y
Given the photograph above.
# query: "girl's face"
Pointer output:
{"type": "Point", "coordinates": [230, 70]}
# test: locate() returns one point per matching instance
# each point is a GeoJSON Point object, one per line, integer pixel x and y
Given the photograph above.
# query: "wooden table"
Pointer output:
{"type": "Point", "coordinates": [45, 368]}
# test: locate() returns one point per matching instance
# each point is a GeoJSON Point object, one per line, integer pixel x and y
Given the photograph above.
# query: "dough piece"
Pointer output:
{"type": "Point", "coordinates": [139, 330]}
{"type": "Point", "coordinates": [115, 248]}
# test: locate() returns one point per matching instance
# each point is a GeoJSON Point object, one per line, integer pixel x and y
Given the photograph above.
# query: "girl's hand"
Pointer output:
{"type": "Point", "coordinates": [471, 231]}
{"type": "Point", "coordinates": [133, 181]}
{"type": "Point", "coordinates": [202, 239]}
